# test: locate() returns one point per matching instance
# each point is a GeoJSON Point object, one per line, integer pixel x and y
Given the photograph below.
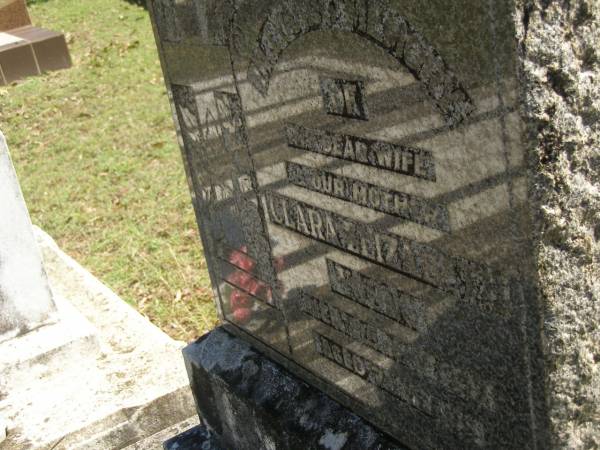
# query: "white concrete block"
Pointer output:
{"type": "Point", "coordinates": [25, 298]}
{"type": "Point", "coordinates": [127, 384]}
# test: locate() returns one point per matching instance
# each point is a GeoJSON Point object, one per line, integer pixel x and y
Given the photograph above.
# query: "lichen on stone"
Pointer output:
{"type": "Point", "coordinates": [560, 74]}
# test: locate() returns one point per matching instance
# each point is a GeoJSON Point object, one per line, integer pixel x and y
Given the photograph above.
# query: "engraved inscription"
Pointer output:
{"type": "Point", "coordinates": [417, 397]}
{"type": "Point", "coordinates": [397, 158]}
{"type": "Point", "coordinates": [231, 125]}
{"type": "Point", "coordinates": [190, 124]}
{"type": "Point", "coordinates": [344, 98]}
{"type": "Point", "coordinates": [397, 297]}
{"type": "Point", "coordinates": [225, 191]}
{"type": "Point", "coordinates": [412, 360]}
{"type": "Point", "coordinates": [348, 324]}
{"type": "Point", "coordinates": [388, 201]}
{"type": "Point", "coordinates": [386, 300]}
{"type": "Point", "coordinates": [468, 281]}
{"type": "Point", "coordinates": [375, 20]}
{"type": "Point", "coordinates": [234, 140]}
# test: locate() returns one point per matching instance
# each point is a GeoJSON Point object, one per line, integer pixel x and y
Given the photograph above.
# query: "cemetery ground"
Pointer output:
{"type": "Point", "coordinates": [96, 154]}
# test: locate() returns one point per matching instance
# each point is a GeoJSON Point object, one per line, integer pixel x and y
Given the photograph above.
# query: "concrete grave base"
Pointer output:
{"type": "Point", "coordinates": [248, 401]}
{"type": "Point", "coordinates": [48, 347]}
{"type": "Point", "coordinates": [100, 377]}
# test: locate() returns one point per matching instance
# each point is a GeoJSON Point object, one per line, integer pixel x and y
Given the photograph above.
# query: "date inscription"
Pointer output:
{"type": "Point", "coordinates": [401, 388]}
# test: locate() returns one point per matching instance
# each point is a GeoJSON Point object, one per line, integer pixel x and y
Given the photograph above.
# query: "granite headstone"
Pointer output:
{"type": "Point", "coordinates": [362, 175]}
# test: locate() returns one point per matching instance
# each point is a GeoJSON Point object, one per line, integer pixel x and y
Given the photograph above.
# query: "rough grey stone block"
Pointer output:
{"type": "Point", "coordinates": [250, 402]}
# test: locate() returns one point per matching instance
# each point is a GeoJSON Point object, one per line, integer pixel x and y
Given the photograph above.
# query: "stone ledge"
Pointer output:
{"type": "Point", "coordinates": [49, 346]}
{"type": "Point", "coordinates": [155, 442]}
{"type": "Point", "coordinates": [123, 385]}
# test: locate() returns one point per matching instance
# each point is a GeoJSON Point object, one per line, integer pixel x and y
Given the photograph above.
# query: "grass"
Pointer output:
{"type": "Point", "coordinates": [95, 150]}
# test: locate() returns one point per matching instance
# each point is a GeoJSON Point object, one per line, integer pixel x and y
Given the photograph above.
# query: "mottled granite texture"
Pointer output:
{"type": "Point", "coordinates": [559, 57]}
{"type": "Point", "coordinates": [399, 203]}
{"type": "Point", "coordinates": [196, 438]}
{"type": "Point", "coordinates": [250, 402]}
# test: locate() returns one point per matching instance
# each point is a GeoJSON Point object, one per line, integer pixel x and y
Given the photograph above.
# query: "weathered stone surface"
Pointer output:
{"type": "Point", "coordinates": [399, 203]}
{"type": "Point", "coordinates": [101, 377]}
{"type": "Point", "coordinates": [52, 347]}
{"type": "Point", "coordinates": [3, 427]}
{"type": "Point", "coordinates": [98, 374]}
{"type": "Point", "coordinates": [250, 402]}
{"type": "Point", "coordinates": [155, 442]}
{"type": "Point", "coordinates": [25, 298]}
{"type": "Point", "coordinates": [560, 72]}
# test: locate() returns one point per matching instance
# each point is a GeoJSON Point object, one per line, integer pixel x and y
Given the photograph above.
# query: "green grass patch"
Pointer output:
{"type": "Point", "coordinates": [97, 157]}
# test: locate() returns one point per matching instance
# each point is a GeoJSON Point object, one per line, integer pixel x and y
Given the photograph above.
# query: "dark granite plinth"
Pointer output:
{"type": "Point", "coordinates": [250, 402]}
{"type": "Point", "coordinates": [197, 438]}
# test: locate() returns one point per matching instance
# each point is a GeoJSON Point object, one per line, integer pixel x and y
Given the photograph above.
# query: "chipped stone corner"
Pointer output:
{"type": "Point", "coordinates": [559, 44]}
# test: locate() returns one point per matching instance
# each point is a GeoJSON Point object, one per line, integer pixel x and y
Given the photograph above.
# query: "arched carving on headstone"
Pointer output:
{"type": "Point", "coordinates": [375, 20]}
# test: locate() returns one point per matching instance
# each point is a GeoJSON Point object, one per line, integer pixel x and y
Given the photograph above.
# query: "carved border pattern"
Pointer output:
{"type": "Point", "coordinates": [375, 20]}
